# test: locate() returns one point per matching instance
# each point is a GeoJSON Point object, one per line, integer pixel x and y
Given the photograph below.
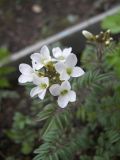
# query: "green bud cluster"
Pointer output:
{"type": "Point", "coordinates": [102, 37]}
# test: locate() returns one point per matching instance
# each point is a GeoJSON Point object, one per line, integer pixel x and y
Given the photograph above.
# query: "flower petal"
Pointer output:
{"type": "Point", "coordinates": [35, 91]}
{"type": "Point", "coordinates": [71, 60]}
{"type": "Point", "coordinates": [65, 85]}
{"type": "Point", "coordinates": [57, 52]}
{"type": "Point", "coordinates": [37, 65]}
{"type": "Point", "coordinates": [37, 80]}
{"type": "Point", "coordinates": [42, 94]}
{"type": "Point", "coordinates": [45, 80]}
{"type": "Point", "coordinates": [25, 69]}
{"type": "Point", "coordinates": [55, 89]}
{"type": "Point", "coordinates": [67, 51]}
{"type": "Point", "coordinates": [72, 96]}
{"type": "Point", "coordinates": [24, 78]}
{"type": "Point", "coordinates": [77, 72]}
{"type": "Point", "coordinates": [36, 61]}
{"type": "Point", "coordinates": [35, 57]}
{"type": "Point", "coordinates": [63, 101]}
{"type": "Point", "coordinates": [45, 52]}
{"type": "Point", "coordinates": [59, 67]}
{"type": "Point", "coordinates": [64, 76]}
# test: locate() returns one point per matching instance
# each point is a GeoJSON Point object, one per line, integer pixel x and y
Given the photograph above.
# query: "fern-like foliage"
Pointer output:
{"type": "Point", "coordinates": [90, 128]}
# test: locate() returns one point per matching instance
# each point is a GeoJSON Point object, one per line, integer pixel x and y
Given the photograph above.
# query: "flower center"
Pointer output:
{"type": "Point", "coordinates": [64, 92]}
{"type": "Point", "coordinates": [69, 71]}
{"type": "Point", "coordinates": [43, 85]}
{"type": "Point", "coordinates": [43, 60]}
{"type": "Point", "coordinates": [61, 58]}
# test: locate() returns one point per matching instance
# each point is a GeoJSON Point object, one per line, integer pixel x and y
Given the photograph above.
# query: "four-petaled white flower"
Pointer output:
{"type": "Point", "coordinates": [60, 55]}
{"type": "Point", "coordinates": [68, 69]}
{"type": "Point", "coordinates": [64, 93]}
{"type": "Point", "coordinates": [41, 59]}
{"type": "Point", "coordinates": [28, 73]}
{"type": "Point", "coordinates": [41, 88]}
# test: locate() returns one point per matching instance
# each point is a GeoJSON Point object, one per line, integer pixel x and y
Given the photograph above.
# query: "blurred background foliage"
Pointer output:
{"type": "Point", "coordinates": [4, 70]}
{"type": "Point", "coordinates": [112, 23]}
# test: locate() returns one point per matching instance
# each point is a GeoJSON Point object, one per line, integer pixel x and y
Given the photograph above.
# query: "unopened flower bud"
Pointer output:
{"type": "Point", "coordinates": [111, 39]}
{"type": "Point", "coordinates": [97, 36]}
{"type": "Point", "coordinates": [108, 31]}
{"type": "Point", "coordinates": [88, 35]}
{"type": "Point", "coordinates": [107, 43]}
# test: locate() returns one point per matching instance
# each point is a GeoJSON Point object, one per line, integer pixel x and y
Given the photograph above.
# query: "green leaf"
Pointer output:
{"type": "Point", "coordinates": [6, 70]}
{"type": "Point", "coordinates": [46, 113]}
{"type": "Point", "coordinates": [4, 83]}
{"type": "Point", "coordinates": [98, 158]}
{"type": "Point", "coordinates": [26, 148]}
{"type": "Point", "coordinates": [112, 23]}
{"type": "Point", "coordinates": [4, 53]}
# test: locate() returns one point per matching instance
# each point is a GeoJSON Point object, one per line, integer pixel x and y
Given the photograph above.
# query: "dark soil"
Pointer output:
{"type": "Point", "coordinates": [22, 23]}
{"type": "Point", "coordinates": [8, 107]}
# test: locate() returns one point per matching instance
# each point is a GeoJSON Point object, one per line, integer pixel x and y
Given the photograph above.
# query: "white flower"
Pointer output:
{"type": "Point", "coordinates": [27, 73]}
{"type": "Point", "coordinates": [64, 93]}
{"type": "Point", "coordinates": [41, 88]}
{"type": "Point", "coordinates": [68, 69]}
{"type": "Point", "coordinates": [60, 55]}
{"type": "Point", "coordinates": [41, 59]}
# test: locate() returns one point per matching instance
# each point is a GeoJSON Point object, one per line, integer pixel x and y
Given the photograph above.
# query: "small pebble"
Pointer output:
{"type": "Point", "coordinates": [36, 8]}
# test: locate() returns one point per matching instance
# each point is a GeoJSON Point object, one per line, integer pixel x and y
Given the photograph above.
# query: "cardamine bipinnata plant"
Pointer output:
{"type": "Point", "coordinates": [89, 128]}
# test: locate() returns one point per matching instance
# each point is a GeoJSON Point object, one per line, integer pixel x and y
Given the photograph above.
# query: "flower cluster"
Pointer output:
{"type": "Point", "coordinates": [53, 73]}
